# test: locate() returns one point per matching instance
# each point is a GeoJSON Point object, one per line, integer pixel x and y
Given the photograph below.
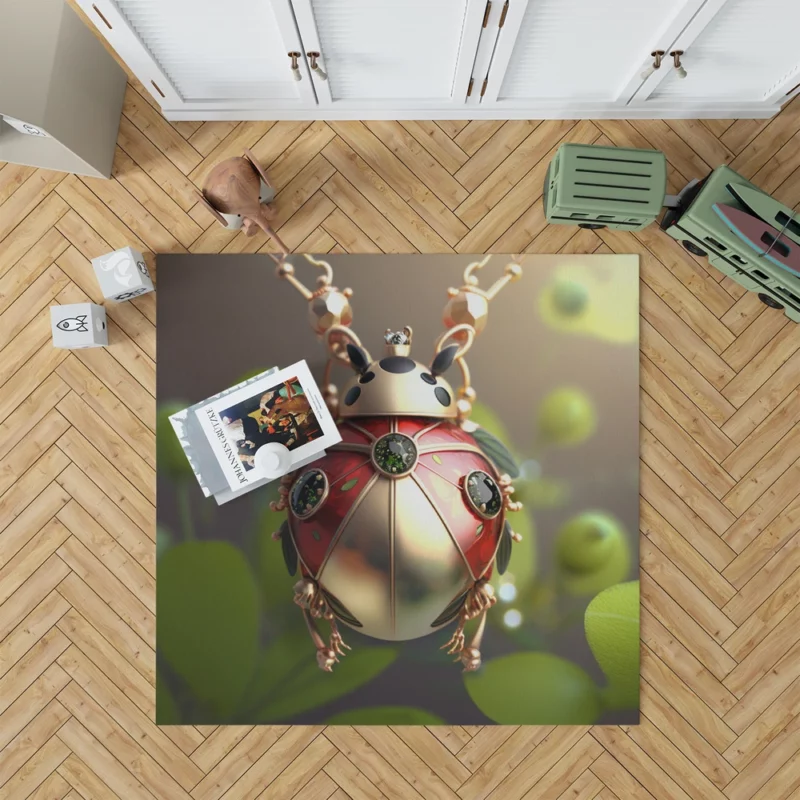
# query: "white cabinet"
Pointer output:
{"type": "Point", "coordinates": [390, 54]}
{"type": "Point", "coordinates": [204, 55]}
{"type": "Point", "coordinates": [579, 52]}
{"type": "Point", "coordinates": [434, 59]}
{"type": "Point", "coordinates": [734, 51]}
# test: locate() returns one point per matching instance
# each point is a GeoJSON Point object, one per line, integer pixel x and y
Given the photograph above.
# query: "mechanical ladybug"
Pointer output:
{"type": "Point", "coordinates": [396, 529]}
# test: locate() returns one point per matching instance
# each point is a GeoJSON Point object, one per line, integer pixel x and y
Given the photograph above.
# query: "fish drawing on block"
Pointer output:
{"type": "Point", "coordinates": [77, 324]}
{"type": "Point", "coordinates": [761, 237]}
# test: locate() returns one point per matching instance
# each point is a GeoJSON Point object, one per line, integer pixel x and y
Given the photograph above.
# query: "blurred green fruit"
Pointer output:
{"type": "Point", "coordinates": [566, 417]}
{"type": "Point", "coordinates": [170, 457]}
{"type": "Point", "coordinates": [612, 630]}
{"type": "Point", "coordinates": [592, 553]}
{"type": "Point", "coordinates": [586, 542]}
{"type": "Point", "coordinates": [570, 298]}
{"type": "Point", "coordinates": [541, 492]}
{"type": "Point", "coordinates": [534, 689]}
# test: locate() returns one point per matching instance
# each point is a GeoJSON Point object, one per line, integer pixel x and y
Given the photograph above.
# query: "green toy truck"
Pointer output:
{"type": "Point", "coordinates": [701, 231]}
{"type": "Point", "coordinates": [609, 187]}
{"type": "Point", "coordinates": [605, 187]}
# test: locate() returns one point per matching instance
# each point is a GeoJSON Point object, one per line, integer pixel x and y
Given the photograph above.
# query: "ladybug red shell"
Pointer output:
{"type": "Point", "coordinates": [397, 523]}
{"type": "Point", "coordinates": [396, 529]}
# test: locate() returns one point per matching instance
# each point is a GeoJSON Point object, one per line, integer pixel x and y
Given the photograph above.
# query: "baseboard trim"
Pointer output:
{"type": "Point", "coordinates": [685, 111]}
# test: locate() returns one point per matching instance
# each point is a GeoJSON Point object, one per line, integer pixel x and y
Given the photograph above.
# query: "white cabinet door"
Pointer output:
{"type": "Point", "coordinates": [734, 51]}
{"type": "Point", "coordinates": [198, 54]}
{"type": "Point", "coordinates": [558, 53]}
{"type": "Point", "coordinates": [391, 54]}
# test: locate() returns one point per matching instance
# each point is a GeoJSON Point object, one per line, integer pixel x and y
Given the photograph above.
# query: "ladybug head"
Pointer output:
{"type": "Point", "coordinates": [396, 385]}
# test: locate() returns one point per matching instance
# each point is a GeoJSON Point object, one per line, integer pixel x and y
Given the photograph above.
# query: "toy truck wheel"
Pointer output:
{"type": "Point", "coordinates": [592, 226]}
{"type": "Point", "coordinates": [693, 248]}
{"type": "Point", "coordinates": [769, 301]}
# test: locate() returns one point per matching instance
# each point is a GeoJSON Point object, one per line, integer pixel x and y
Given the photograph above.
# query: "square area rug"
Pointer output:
{"type": "Point", "coordinates": [408, 534]}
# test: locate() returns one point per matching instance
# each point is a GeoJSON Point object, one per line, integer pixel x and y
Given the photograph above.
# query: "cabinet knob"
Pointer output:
{"type": "Point", "coordinates": [676, 56]}
{"type": "Point", "coordinates": [315, 68]}
{"type": "Point", "coordinates": [657, 56]}
{"type": "Point", "coordinates": [295, 66]}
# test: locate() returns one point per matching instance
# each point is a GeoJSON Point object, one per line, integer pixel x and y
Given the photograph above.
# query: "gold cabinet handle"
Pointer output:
{"type": "Point", "coordinates": [295, 66]}
{"type": "Point", "coordinates": [315, 68]}
{"type": "Point", "coordinates": [676, 57]}
{"type": "Point", "coordinates": [657, 55]}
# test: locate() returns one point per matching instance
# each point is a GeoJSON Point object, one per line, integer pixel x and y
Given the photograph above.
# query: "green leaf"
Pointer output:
{"type": "Point", "coordinates": [386, 715]}
{"type": "Point", "coordinates": [166, 709]}
{"type": "Point", "coordinates": [307, 686]}
{"type": "Point", "coordinates": [534, 689]}
{"type": "Point", "coordinates": [207, 620]}
{"type": "Point", "coordinates": [274, 580]}
{"type": "Point", "coordinates": [436, 458]}
{"type": "Point", "coordinates": [170, 458]}
{"type": "Point", "coordinates": [346, 487]}
{"type": "Point", "coordinates": [612, 630]}
{"type": "Point", "coordinates": [164, 540]}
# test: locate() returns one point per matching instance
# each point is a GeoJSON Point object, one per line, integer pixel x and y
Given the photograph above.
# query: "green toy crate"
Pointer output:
{"type": "Point", "coordinates": [605, 187]}
{"type": "Point", "coordinates": [702, 232]}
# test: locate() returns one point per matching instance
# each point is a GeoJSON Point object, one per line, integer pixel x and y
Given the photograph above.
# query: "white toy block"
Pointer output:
{"type": "Point", "coordinates": [122, 275]}
{"type": "Point", "coordinates": [78, 325]}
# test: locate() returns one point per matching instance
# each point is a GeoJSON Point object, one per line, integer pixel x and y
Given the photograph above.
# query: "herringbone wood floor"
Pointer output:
{"type": "Point", "coordinates": [720, 508]}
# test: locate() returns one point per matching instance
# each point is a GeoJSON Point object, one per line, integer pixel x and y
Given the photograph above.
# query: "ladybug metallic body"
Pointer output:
{"type": "Point", "coordinates": [396, 529]}
{"type": "Point", "coordinates": [396, 551]}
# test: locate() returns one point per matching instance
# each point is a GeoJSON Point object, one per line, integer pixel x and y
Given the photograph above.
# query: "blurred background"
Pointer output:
{"type": "Point", "coordinates": [556, 375]}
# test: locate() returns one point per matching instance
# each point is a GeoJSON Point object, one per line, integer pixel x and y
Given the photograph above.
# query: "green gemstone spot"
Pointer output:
{"type": "Point", "coordinates": [395, 454]}
{"type": "Point", "coordinates": [479, 530]}
{"type": "Point", "coordinates": [316, 535]}
{"type": "Point", "coordinates": [484, 494]}
{"type": "Point", "coordinates": [437, 459]}
{"type": "Point", "coordinates": [346, 487]}
{"type": "Point", "coordinates": [308, 492]}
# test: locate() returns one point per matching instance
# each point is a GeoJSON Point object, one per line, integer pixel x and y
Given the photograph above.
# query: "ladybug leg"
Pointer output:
{"type": "Point", "coordinates": [336, 642]}
{"type": "Point", "coordinates": [311, 600]}
{"type": "Point", "coordinates": [283, 493]}
{"type": "Point", "coordinates": [507, 489]}
{"type": "Point", "coordinates": [479, 600]}
{"type": "Point", "coordinates": [326, 657]}
{"type": "Point", "coordinates": [471, 654]}
{"type": "Point", "coordinates": [456, 642]}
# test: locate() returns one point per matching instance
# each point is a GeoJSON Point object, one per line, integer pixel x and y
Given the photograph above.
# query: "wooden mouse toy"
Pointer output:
{"type": "Point", "coordinates": [237, 192]}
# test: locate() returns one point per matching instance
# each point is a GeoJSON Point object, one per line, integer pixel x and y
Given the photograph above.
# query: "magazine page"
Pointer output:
{"type": "Point", "coordinates": [284, 407]}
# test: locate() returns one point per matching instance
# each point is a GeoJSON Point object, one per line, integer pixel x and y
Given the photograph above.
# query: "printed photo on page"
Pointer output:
{"type": "Point", "coordinates": [286, 407]}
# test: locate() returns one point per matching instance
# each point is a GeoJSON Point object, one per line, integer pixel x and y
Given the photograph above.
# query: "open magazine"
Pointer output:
{"type": "Point", "coordinates": [222, 435]}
